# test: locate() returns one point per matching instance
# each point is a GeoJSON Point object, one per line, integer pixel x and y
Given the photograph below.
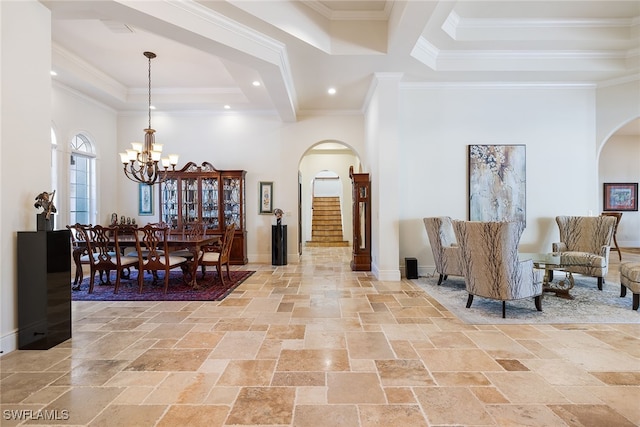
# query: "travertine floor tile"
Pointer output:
{"type": "Point", "coordinates": [316, 344]}
{"type": "Point", "coordinates": [353, 387]}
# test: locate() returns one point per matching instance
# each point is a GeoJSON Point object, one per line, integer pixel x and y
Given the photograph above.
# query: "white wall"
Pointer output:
{"type": "Point", "coordinates": [74, 113]}
{"type": "Point", "coordinates": [616, 105]}
{"type": "Point", "coordinates": [266, 148]}
{"type": "Point", "coordinates": [556, 124]}
{"type": "Point", "coordinates": [25, 136]}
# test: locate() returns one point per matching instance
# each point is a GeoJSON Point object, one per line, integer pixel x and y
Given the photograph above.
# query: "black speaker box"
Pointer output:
{"type": "Point", "coordinates": [411, 268]}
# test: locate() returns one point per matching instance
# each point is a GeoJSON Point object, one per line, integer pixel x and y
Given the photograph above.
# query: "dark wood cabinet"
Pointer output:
{"type": "Point", "coordinates": [214, 197]}
{"type": "Point", "coordinates": [44, 289]}
{"type": "Point", "coordinates": [361, 194]}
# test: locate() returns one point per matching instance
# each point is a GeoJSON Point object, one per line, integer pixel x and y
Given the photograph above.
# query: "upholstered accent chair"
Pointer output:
{"type": "Point", "coordinates": [490, 262]}
{"type": "Point", "coordinates": [587, 241]}
{"type": "Point", "coordinates": [630, 278]}
{"type": "Point", "coordinates": [444, 247]}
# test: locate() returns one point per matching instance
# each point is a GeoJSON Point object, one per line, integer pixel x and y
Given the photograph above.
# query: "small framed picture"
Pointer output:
{"type": "Point", "coordinates": [145, 199]}
{"type": "Point", "coordinates": [266, 197]}
{"type": "Point", "coordinates": [620, 196]}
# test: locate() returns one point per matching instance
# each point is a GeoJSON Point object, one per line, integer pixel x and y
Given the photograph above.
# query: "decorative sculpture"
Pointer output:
{"type": "Point", "coordinates": [44, 200]}
{"type": "Point", "coordinates": [278, 213]}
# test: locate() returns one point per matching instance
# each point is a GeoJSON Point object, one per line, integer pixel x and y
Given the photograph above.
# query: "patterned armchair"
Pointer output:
{"type": "Point", "coordinates": [492, 269]}
{"type": "Point", "coordinates": [587, 240]}
{"type": "Point", "coordinates": [446, 252]}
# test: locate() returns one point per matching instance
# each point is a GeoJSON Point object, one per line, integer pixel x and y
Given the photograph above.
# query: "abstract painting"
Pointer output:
{"type": "Point", "coordinates": [497, 183]}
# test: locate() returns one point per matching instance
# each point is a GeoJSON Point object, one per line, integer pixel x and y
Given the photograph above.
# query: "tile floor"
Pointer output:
{"type": "Point", "coordinates": [315, 344]}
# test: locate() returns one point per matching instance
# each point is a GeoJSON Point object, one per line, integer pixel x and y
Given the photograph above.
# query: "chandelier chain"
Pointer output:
{"type": "Point", "coordinates": [149, 80]}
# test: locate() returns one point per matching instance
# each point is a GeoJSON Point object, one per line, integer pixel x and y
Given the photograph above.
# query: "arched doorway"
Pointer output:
{"type": "Point", "coordinates": [327, 207]}
{"type": "Point", "coordinates": [324, 169]}
{"type": "Point", "coordinates": [619, 162]}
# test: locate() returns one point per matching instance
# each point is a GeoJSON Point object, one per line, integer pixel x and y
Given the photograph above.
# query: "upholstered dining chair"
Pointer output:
{"type": "Point", "coordinates": [219, 255]}
{"type": "Point", "coordinates": [587, 240]}
{"type": "Point", "coordinates": [105, 254]}
{"type": "Point", "coordinates": [618, 217]}
{"type": "Point", "coordinates": [446, 252]}
{"type": "Point", "coordinates": [151, 240]}
{"type": "Point", "coordinates": [490, 262]}
{"type": "Point", "coordinates": [192, 230]}
{"type": "Point", "coordinates": [79, 251]}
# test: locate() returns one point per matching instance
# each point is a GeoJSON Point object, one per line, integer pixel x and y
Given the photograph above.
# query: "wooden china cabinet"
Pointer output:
{"type": "Point", "coordinates": [214, 197]}
{"type": "Point", "coordinates": [361, 194]}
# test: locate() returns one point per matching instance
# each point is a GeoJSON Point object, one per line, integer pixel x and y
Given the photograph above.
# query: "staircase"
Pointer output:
{"type": "Point", "coordinates": [326, 223]}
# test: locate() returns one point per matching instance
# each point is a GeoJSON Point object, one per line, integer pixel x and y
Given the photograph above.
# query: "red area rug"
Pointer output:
{"type": "Point", "coordinates": [210, 288]}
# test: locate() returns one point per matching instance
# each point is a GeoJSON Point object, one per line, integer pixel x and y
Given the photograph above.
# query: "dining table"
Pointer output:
{"type": "Point", "coordinates": [177, 241]}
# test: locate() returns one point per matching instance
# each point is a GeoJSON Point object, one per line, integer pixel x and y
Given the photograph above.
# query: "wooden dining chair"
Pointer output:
{"type": "Point", "coordinates": [105, 254]}
{"type": "Point", "coordinates": [192, 230]}
{"type": "Point", "coordinates": [219, 255]}
{"type": "Point", "coordinates": [79, 251]}
{"type": "Point", "coordinates": [618, 217]}
{"type": "Point", "coordinates": [151, 240]}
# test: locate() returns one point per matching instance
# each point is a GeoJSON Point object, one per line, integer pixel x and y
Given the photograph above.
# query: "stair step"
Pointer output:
{"type": "Point", "coordinates": [326, 223]}
{"type": "Point", "coordinates": [327, 244]}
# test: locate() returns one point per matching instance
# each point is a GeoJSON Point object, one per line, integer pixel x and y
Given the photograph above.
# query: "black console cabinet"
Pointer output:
{"type": "Point", "coordinates": [44, 289]}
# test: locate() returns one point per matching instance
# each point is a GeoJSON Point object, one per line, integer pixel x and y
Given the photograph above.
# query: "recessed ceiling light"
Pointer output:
{"type": "Point", "coordinates": [227, 107]}
{"type": "Point", "coordinates": [53, 73]}
{"type": "Point", "coordinates": [256, 83]}
{"type": "Point", "coordinates": [331, 91]}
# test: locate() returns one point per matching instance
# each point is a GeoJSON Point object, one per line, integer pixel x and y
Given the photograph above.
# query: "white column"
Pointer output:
{"type": "Point", "coordinates": [382, 139]}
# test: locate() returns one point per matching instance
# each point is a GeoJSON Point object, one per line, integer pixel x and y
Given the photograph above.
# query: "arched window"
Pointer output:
{"type": "Point", "coordinates": [82, 181]}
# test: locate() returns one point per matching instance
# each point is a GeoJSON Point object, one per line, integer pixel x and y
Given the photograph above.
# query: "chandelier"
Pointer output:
{"type": "Point", "coordinates": [141, 160]}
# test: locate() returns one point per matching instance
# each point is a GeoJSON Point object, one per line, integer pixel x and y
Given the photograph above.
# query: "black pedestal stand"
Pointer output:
{"type": "Point", "coordinates": [279, 244]}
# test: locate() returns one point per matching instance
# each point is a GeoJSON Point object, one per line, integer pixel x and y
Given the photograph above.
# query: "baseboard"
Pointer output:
{"type": "Point", "coordinates": [631, 244]}
{"type": "Point", "coordinates": [9, 342]}
{"type": "Point", "coordinates": [386, 275]}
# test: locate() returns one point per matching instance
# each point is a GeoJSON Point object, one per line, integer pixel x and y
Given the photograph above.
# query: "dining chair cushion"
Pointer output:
{"type": "Point", "coordinates": [184, 253]}
{"type": "Point", "coordinates": [128, 259]}
{"type": "Point", "coordinates": [130, 251]}
{"type": "Point", "coordinates": [211, 256]}
{"type": "Point", "coordinates": [176, 260]}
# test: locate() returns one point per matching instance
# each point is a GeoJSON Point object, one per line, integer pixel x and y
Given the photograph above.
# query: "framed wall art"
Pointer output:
{"type": "Point", "coordinates": [145, 199]}
{"type": "Point", "coordinates": [266, 197]}
{"type": "Point", "coordinates": [620, 196]}
{"type": "Point", "coordinates": [497, 183]}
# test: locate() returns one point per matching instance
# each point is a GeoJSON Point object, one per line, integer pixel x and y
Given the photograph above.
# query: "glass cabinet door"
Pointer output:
{"type": "Point", "coordinates": [231, 199]}
{"type": "Point", "coordinates": [169, 202]}
{"type": "Point", "coordinates": [190, 200]}
{"type": "Point", "coordinates": [210, 202]}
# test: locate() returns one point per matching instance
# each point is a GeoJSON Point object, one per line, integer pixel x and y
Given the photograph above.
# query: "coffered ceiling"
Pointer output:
{"type": "Point", "coordinates": [210, 52]}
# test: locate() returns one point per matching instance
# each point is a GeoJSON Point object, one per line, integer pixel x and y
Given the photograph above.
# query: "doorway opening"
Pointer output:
{"type": "Point", "coordinates": [326, 208]}
{"type": "Point", "coordinates": [324, 190]}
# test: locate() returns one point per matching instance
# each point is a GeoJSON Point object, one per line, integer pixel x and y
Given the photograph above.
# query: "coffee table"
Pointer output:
{"type": "Point", "coordinates": [549, 262]}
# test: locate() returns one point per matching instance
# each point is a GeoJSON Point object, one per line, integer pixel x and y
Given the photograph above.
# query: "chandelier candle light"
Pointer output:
{"type": "Point", "coordinates": [141, 161]}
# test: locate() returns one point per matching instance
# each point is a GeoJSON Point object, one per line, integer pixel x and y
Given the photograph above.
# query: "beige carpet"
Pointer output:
{"type": "Point", "coordinates": [589, 306]}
